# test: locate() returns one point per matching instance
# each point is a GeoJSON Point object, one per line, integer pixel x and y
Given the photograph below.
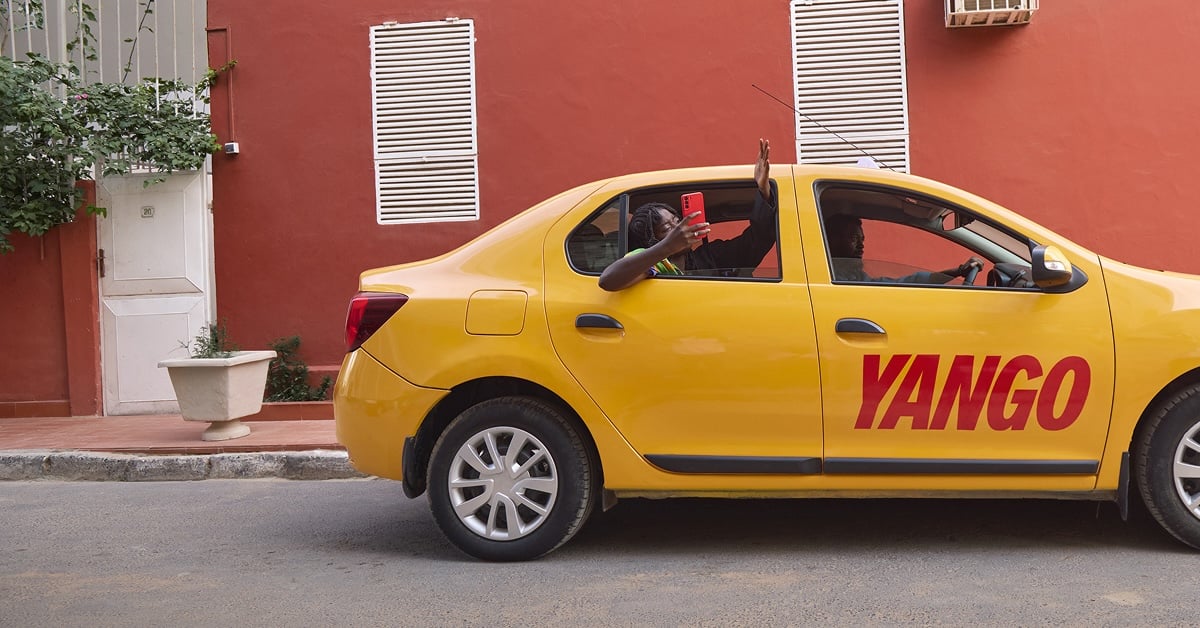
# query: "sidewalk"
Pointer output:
{"type": "Point", "coordinates": [147, 448]}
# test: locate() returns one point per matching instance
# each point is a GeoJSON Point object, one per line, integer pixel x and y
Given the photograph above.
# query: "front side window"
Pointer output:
{"type": "Point", "coordinates": [892, 236]}
{"type": "Point", "coordinates": [740, 245]}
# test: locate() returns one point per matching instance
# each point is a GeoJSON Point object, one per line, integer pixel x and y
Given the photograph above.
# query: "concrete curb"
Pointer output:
{"type": "Point", "coordinates": [113, 467]}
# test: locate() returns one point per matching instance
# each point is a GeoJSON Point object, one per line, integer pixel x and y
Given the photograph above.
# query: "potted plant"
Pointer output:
{"type": "Point", "coordinates": [218, 383]}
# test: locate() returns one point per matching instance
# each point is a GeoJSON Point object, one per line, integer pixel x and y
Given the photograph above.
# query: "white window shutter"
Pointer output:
{"type": "Point", "coordinates": [848, 62]}
{"type": "Point", "coordinates": [423, 101]}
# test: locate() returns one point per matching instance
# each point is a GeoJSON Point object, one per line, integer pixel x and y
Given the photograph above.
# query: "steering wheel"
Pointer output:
{"type": "Point", "coordinates": [969, 278]}
{"type": "Point", "coordinates": [1006, 275]}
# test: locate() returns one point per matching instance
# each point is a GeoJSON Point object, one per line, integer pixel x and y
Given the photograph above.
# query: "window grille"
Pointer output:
{"type": "Point", "coordinates": [423, 102]}
{"type": "Point", "coordinates": [848, 63]}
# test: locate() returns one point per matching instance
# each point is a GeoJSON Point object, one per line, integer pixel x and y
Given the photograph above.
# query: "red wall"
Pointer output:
{"type": "Point", "coordinates": [567, 93]}
{"type": "Point", "coordinates": [1084, 120]}
{"type": "Point", "coordinates": [49, 311]}
{"type": "Point", "coordinates": [34, 349]}
{"type": "Point", "coordinates": [1079, 120]}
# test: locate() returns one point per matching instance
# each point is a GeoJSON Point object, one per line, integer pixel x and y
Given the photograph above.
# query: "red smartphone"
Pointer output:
{"type": "Point", "coordinates": [693, 202]}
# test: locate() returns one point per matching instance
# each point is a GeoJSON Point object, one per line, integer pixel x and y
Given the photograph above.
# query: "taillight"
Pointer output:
{"type": "Point", "coordinates": [368, 312]}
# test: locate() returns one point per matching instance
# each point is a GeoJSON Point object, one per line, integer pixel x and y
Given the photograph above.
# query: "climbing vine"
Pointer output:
{"type": "Point", "coordinates": [59, 128]}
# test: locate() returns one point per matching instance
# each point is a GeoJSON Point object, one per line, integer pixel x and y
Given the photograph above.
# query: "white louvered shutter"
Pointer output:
{"type": "Point", "coordinates": [423, 97]}
{"type": "Point", "coordinates": [848, 61]}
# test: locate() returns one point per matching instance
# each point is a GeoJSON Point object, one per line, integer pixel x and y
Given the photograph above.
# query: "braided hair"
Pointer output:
{"type": "Point", "coordinates": [642, 222]}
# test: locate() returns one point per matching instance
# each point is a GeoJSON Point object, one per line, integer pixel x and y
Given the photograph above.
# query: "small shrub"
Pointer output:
{"type": "Point", "coordinates": [211, 342]}
{"type": "Point", "coordinates": [287, 377]}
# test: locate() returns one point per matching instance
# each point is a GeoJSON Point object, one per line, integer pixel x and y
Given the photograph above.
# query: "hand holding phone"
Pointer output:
{"type": "Point", "coordinates": [691, 203]}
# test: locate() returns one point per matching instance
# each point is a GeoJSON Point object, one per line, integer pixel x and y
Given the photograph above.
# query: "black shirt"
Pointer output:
{"type": "Point", "coordinates": [746, 251]}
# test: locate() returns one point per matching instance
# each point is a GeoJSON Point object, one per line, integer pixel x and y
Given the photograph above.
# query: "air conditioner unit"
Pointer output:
{"type": "Point", "coordinates": [989, 12]}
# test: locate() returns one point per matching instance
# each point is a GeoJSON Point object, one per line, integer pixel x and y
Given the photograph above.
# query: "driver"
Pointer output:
{"type": "Point", "coordinates": [846, 242]}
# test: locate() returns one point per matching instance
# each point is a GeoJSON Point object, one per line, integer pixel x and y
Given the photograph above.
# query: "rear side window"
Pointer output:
{"type": "Point", "coordinates": [741, 244]}
{"type": "Point", "coordinates": [592, 246]}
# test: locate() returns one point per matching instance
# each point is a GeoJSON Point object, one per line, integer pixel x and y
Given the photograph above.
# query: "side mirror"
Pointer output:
{"type": "Point", "coordinates": [1051, 268]}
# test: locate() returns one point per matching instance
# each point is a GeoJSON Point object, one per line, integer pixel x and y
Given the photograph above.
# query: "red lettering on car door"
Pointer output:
{"type": "Point", "coordinates": [1021, 398]}
{"type": "Point", "coordinates": [970, 398]}
{"type": "Point", "coordinates": [876, 384]}
{"type": "Point", "coordinates": [1075, 399]}
{"type": "Point", "coordinates": [922, 376]}
{"type": "Point", "coordinates": [971, 392]}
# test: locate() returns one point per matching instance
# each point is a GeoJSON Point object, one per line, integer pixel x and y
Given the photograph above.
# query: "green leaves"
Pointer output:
{"type": "Point", "coordinates": [211, 342]}
{"type": "Point", "coordinates": [287, 376]}
{"type": "Point", "coordinates": [56, 129]}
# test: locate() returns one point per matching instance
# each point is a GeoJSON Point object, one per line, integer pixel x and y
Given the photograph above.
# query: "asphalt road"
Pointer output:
{"type": "Point", "coordinates": [357, 552]}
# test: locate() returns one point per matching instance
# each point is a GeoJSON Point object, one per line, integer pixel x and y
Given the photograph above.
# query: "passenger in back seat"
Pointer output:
{"type": "Point", "coordinates": [660, 242]}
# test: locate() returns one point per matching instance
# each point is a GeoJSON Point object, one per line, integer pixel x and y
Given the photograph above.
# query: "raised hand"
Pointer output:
{"type": "Point", "coordinates": [762, 168]}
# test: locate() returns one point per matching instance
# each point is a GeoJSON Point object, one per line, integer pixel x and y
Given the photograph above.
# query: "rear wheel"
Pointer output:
{"type": "Point", "coordinates": [510, 479]}
{"type": "Point", "coordinates": [1167, 466]}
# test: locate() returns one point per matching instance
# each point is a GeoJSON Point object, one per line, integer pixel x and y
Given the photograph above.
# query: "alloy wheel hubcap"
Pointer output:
{"type": "Point", "coordinates": [503, 483]}
{"type": "Point", "coordinates": [1185, 470]}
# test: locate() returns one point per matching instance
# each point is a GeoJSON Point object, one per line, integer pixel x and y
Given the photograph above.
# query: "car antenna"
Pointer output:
{"type": "Point", "coordinates": [827, 129]}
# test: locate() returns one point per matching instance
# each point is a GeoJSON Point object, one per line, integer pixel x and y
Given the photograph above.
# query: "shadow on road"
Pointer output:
{"type": "Point", "coordinates": [383, 521]}
{"type": "Point", "coordinates": [691, 525]}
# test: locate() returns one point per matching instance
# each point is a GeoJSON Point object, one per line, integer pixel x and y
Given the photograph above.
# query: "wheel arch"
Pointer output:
{"type": "Point", "coordinates": [1185, 380]}
{"type": "Point", "coordinates": [1151, 462]}
{"type": "Point", "coordinates": [419, 448]}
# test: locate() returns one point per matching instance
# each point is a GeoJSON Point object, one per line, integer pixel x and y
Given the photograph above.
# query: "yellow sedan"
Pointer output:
{"type": "Point", "coordinates": [851, 333]}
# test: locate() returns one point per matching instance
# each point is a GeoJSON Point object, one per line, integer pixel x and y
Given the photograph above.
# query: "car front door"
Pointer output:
{"type": "Point", "coordinates": [700, 374]}
{"type": "Point", "coordinates": [929, 383]}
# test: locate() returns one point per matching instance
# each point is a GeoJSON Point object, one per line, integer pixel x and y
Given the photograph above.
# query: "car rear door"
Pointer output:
{"type": "Point", "coordinates": [721, 372]}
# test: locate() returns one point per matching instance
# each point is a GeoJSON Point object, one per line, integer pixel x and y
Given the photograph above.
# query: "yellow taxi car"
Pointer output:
{"type": "Point", "coordinates": [502, 380]}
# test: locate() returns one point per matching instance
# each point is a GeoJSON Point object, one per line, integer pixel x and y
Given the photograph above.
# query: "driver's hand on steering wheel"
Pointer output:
{"type": "Point", "coordinates": [965, 268]}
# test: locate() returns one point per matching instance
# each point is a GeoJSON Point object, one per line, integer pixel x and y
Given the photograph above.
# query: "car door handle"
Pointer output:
{"type": "Point", "coordinates": [602, 321]}
{"type": "Point", "coordinates": [858, 326]}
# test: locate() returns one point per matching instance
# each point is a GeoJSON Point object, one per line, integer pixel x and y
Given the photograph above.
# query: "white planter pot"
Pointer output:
{"type": "Point", "coordinates": [220, 390]}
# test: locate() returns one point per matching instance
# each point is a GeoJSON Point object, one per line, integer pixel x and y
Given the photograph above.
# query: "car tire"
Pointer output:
{"type": "Point", "coordinates": [515, 511]}
{"type": "Point", "coordinates": [1167, 465]}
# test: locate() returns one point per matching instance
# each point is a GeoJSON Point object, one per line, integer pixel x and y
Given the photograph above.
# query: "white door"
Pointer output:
{"type": "Point", "coordinates": [155, 285]}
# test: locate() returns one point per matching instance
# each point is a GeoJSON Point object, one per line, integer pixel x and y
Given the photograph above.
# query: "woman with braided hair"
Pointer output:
{"type": "Point", "coordinates": [654, 223]}
{"type": "Point", "coordinates": [661, 243]}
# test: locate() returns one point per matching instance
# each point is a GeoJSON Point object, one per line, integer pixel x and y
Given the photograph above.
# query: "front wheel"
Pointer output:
{"type": "Point", "coordinates": [1167, 465]}
{"type": "Point", "coordinates": [510, 479]}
